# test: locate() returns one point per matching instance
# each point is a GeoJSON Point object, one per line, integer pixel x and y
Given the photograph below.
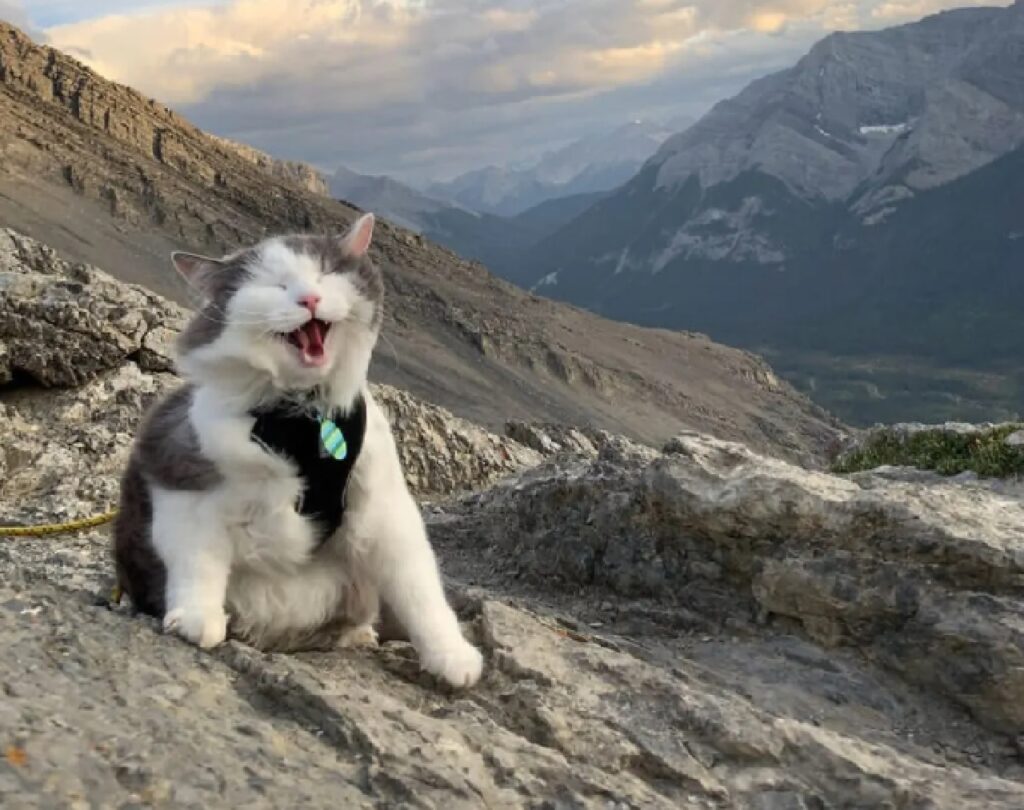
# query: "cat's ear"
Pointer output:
{"type": "Point", "coordinates": [195, 269]}
{"type": "Point", "coordinates": [356, 241]}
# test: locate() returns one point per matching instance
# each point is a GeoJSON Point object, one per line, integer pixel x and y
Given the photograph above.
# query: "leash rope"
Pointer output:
{"type": "Point", "coordinates": [67, 527]}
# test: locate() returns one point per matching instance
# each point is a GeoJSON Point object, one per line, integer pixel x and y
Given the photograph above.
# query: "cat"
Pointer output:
{"type": "Point", "coordinates": [216, 520]}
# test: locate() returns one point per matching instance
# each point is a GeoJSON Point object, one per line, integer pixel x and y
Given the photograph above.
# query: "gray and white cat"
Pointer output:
{"type": "Point", "coordinates": [210, 524]}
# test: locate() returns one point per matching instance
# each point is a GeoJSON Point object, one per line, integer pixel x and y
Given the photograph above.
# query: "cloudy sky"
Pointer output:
{"type": "Point", "coordinates": [424, 89]}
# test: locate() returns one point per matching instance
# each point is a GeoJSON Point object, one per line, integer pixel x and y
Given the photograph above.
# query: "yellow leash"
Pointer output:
{"type": "Point", "coordinates": [58, 528]}
{"type": "Point", "coordinates": [68, 527]}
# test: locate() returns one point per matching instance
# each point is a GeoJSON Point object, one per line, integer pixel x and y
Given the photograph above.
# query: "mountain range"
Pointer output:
{"type": "Point", "coordinates": [496, 241]}
{"type": "Point", "coordinates": [496, 215]}
{"type": "Point", "coordinates": [108, 176]}
{"type": "Point", "coordinates": [859, 217]}
{"type": "Point", "coordinates": [597, 163]}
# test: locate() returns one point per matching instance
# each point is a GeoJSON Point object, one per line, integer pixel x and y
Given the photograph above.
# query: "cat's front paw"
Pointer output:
{"type": "Point", "coordinates": [361, 635]}
{"type": "Point", "coordinates": [203, 628]}
{"type": "Point", "coordinates": [458, 663]}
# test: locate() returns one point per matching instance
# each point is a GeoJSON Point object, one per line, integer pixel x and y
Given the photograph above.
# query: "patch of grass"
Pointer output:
{"type": "Point", "coordinates": [986, 453]}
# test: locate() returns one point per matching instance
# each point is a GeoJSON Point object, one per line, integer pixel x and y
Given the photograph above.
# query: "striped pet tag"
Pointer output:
{"type": "Point", "coordinates": [333, 440]}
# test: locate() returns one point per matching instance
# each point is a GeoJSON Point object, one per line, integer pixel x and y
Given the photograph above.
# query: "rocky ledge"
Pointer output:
{"type": "Point", "coordinates": [64, 324]}
{"type": "Point", "coordinates": [700, 626]}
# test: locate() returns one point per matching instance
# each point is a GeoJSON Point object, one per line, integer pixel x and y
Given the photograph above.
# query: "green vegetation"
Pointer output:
{"type": "Point", "coordinates": [945, 452]}
{"type": "Point", "coordinates": [868, 390]}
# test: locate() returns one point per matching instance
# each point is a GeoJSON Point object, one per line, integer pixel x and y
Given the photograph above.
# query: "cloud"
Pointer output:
{"type": "Point", "coordinates": [13, 11]}
{"type": "Point", "coordinates": [424, 87]}
{"type": "Point", "coordinates": [905, 10]}
{"type": "Point", "coordinates": [403, 48]}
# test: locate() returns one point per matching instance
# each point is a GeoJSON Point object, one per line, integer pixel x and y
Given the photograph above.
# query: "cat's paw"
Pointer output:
{"type": "Point", "coordinates": [458, 663]}
{"type": "Point", "coordinates": [203, 628]}
{"type": "Point", "coordinates": [361, 635]}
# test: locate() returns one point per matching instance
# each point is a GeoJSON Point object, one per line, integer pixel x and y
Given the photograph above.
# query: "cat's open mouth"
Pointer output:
{"type": "Point", "coordinates": [309, 340]}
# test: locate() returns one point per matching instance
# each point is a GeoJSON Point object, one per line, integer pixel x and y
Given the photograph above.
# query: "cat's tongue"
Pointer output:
{"type": "Point", "coordinates": [310, 340]}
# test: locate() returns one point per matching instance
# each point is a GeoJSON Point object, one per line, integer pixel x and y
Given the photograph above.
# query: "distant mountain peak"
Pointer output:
{"type": "Point", "coordinates": [598, 162]}
{"type": "Point", "coordinates": [825, 208]}
{"type": "Point", "coordinates": [944, 95]}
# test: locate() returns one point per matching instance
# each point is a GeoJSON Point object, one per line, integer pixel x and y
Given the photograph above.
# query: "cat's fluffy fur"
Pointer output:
{"type": "Point", "coordinates": [208, 529]}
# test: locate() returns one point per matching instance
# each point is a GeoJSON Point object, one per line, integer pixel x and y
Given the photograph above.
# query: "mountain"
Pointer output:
{"type": "Point", "coordinates": [401, 204]}
{"type": "Point", "coordinates": [496, 241]}
{"type": "Point", "coordinates": [107, 176]}
{"type": "Point", "coordinates": [596, 163]}
{"type": "Point", "coordinates": [549, 216]}
{"type": "Point", "coordinates": [822, 216]}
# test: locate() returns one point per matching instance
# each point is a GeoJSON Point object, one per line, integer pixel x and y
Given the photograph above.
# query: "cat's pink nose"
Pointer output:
{"type": "Point", "coordinates": [310, 302]}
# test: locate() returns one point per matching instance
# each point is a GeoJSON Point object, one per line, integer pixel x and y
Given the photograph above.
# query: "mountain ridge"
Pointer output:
{"type": "Point", "coordinates": [596, 163]}
{"type": "Point", "coordinates": [770, 215]}
{"type": "Point", "coordinates": [107, 176]}
{"type": "Point", "coordinates": [496, 241]}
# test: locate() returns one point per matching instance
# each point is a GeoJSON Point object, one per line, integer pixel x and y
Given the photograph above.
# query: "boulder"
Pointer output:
{"type": "Point", "coordinates": [925, 578]}
{"type": "Point", "coordinates": [61, 324]}
{"type": "Point", "coordinates": [442, 454]}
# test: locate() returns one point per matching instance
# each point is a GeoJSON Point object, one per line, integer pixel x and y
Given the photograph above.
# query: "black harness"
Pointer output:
{"type": "Point", "coordinates": [294, 433]}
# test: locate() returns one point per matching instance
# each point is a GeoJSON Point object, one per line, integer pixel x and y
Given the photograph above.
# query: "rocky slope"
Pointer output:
{"type": "Point", "coordinates": [117, 180]}
{"type": "Point", "coordinates": [398, 203]}
{"type": "Point", "coordinates": [65, 324]}
{"type": "Point", "coordinates": [701, 627]}
{"type": "Point", "coordinates": [854, 205]}
{"type": "Point", "coordinates": [291, 171]}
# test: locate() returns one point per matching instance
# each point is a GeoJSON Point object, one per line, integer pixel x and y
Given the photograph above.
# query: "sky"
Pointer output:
{"type": "Point", "coordinates": [425, 89]}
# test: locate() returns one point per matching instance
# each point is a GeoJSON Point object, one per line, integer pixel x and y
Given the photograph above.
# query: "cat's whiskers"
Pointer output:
{"type": "Point", "coordinates": [394, 351]}
{"type": "Point", "coordinates": [262, 320]}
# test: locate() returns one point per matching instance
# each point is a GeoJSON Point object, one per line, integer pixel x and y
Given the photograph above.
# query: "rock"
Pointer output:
{"type": "Point", "coordinates": [553, 439]}
{"type": "Point", "coordinates": [911, 573]}
{"type": "Point", "coordinates": [100, 708]}
{"type": "Point", "coordinates": [48, 440]}
{"type": "Point", "coordinates": [293, 171]}
{"type": "Point", "coordinates": [901, 431]}
{"type": "Point", "coordinates": [103, 709]}
{"type": "Point", "coordinates": [1015, 439]}
{"type": "Point", "coordinates": [62, 324]}
{"type": "Point", "coordinates": [443, 455]}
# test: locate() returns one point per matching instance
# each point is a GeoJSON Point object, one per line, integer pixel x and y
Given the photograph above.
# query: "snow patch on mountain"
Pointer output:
{"type": "Point", "coordinates": [721, 235]}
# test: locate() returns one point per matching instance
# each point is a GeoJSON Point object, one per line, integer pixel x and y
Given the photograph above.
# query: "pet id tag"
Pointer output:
{"type": "Point", "coordinates": [332, 440]}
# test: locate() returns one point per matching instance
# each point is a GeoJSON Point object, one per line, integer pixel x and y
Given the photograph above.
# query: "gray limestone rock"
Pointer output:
{"type": "Point", "coordinates": [912, 573]}
{"type": "Point", "coordinates": [62, 324]}
{"type": "Point", "coordinates": [443, 455]}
